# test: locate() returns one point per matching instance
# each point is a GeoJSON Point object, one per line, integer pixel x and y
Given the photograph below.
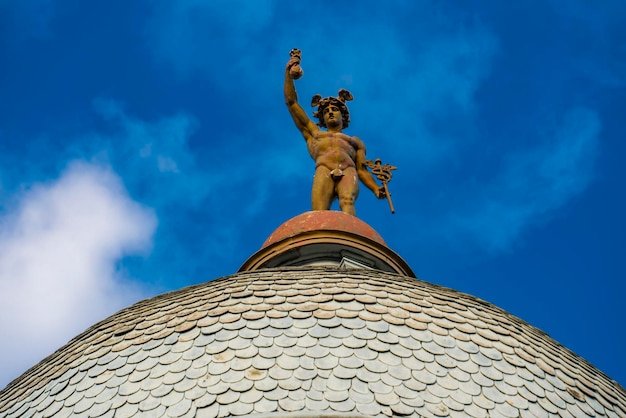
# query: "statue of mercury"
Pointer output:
{"type": "Point", "coordinates": [339, 158]}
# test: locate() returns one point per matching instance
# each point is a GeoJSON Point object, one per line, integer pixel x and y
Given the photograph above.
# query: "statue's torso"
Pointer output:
{"type": "Point", "coordinates": [333, 149]}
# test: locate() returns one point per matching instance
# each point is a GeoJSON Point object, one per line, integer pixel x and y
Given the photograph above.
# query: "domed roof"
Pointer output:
{"type": "Point", "coordinates": [305, 341]}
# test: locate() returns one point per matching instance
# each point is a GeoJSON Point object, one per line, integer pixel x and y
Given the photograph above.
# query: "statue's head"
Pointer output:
{"type": "Point", "coordinates": [339, 102]}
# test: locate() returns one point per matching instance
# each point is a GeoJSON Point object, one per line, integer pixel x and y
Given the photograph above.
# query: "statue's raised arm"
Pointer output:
{"type": "Point", "coordinates": [293, 71]}
{"type": "Point", "coordinates": [340, 160]}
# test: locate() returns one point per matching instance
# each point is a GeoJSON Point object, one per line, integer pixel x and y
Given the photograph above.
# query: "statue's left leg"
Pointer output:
{"type": "Point", "coordinates": [348, 190]}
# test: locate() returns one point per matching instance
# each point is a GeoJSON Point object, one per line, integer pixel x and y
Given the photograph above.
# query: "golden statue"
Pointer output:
{"type": "Point", "coordinates": [339, 158]}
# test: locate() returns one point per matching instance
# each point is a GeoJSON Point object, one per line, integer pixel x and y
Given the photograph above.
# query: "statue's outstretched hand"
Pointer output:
{"type": "Point", "coordinates": [293, 61]}
{"type": "Point", "coordinates": [380, 193]}
{"type": "Point", "coordinates": [293, 65]}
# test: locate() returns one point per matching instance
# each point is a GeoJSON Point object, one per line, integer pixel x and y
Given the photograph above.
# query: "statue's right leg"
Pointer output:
{"type": "Point", "coordinates": [323, 191]}
{"type": "Point", "coordinates": [348, 190]}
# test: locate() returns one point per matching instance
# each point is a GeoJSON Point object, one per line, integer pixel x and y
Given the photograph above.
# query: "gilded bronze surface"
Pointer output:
{"type": "Point", "coordinates": [339, 158]}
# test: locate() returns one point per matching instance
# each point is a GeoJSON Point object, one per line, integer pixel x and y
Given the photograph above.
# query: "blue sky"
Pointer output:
{"type": "Point", "coordinates": [145, 146]}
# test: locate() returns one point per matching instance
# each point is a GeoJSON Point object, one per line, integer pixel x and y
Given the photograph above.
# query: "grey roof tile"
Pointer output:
{"type": "Point", "coordinates": [459, 375]}
{"type": "Point", "coordinates": [292, 383]}
{"type": "Point", "coordinates": [126, 410]}
{"type": "Point", "coordinates": [208, 411]}
{"type": "Point", "coordinates": [303, 374]}
{"type": "Point", "coordinates": [228, 398]}
{"type": "Point", "coordinates": [411, 363]}
{"type": "Point", "coordinates": [365, 353]}
{"type": "Point", "coordinates": [307, 363]}
{"type": "Point", "coordinates": [344, 372]}
{"type": "Point", "coordinates": [316, 405]}
{"type": "Point", "coordinates": [399, 371]}
{"type": "Point", "coordinates": [346, 405]}
{"type": "Point", "coordinates": [180, 409]}
{"type": "Point", "coordinates": [287, 362]}
{"type": "Point", "coordinates": [526, 394]}
{"type": "Point", "coordinates": [445, 361]}
{"type": "Point", "coordinates": [262, 363]}
{"type": "Point", "coordinates": [389, 398]}
{"type": "Point", "coordinates": [329, 341]}
{"type": "Point", "coordinates": [505, 388]}
{"type": "Point", "coordinates": [366, 376]}
{"type": "Point", "coordinates": [241, 364]}
{"type": "Point", "coordinates": [232, 376]}
{"type": "Point", "coordinates": [277, 373]}
{"type": "Point", "coordinates": [389, 359]}
{"type": "Point", "coordinates": [435, 369]}
{"type": "Point", "coordinates": [276, 394]}
{"type": "Point", "coordinates": [326, 363]}
{"type": "Point", "coordinates": [424, 356]}
{"type": "Point", "coordinates": [370, 316]}
{"type": "Point", "coordinates": [340, 332]}
{"type": "Point", "coordinates": [390, 380]}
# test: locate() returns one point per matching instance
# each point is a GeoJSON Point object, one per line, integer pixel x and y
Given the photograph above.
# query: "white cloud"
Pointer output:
{"type": "Point", "coordinates": [534, 184]}
{"type": "Point", "coordinates": [59, 247]}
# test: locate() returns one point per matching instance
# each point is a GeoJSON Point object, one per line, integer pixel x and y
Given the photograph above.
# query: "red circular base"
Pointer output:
{"type": "Point", "coordinates": [323, 220]}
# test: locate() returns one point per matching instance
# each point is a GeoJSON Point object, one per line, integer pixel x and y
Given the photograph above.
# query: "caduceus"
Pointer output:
{"type": "Point", "coordinates": [382, 173]}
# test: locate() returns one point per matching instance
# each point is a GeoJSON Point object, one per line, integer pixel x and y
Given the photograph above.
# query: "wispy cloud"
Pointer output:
{"type": "Point", "coordinates": [531, 186]}
{"type": "Point", "coordinates": [214, 39]}
{"type": "Point", "coordinates": [403, 86]}
{"type": "Point", "coordinates": [420, 86]}
{"type": "Point", "coordinates": [59, 248]}
{"type": "Point", "coordinates": [153, 157]}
